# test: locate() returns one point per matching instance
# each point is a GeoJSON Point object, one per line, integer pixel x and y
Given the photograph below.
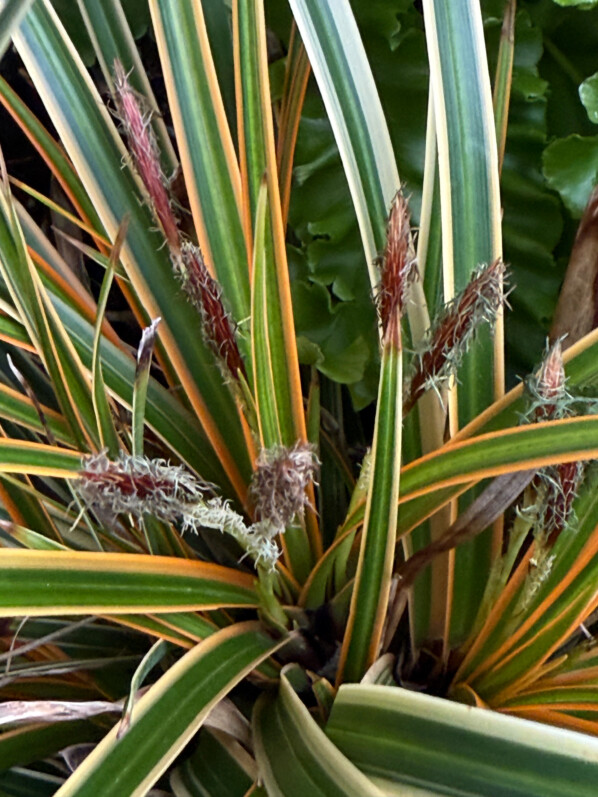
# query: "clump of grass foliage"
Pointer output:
{"type": "Point", "coordinates": [263, 606]}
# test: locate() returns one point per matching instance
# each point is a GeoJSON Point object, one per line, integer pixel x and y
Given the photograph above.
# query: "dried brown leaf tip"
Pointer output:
{"type": "Point", "coordinates": [398, 266]}
{"type": "Point", "coordinates": [452, 333]}
{"type": "Point", "coordinates": [146, 345]}
{"type": "Point", "coordinates": [279, 484]}
{"type": "Point", "coordinates": [145, 153]}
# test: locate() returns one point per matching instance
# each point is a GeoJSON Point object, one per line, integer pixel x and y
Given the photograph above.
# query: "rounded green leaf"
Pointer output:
{"type": "Point", "coordinates": [571, 168]}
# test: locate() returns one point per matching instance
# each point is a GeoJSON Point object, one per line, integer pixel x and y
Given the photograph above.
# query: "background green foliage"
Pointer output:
{"type": "Point", "coordinates": [547, 177]}
{"type": "Point", "coordinates": [551, 163]}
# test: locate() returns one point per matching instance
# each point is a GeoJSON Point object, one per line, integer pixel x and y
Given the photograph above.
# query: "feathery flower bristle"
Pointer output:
{"type": "Point", "coordinates": [398, 264]}
{"type": "Point", "coordinates": [548, 388]}
{"type": "Point", "coordinates": [145, 153]}
{"type": "Point", "coordinates": [451, 335]}
{"type": "Point", "coordinates": [280, 481]}
{"type": "Point", "coordinates": [137, 485]}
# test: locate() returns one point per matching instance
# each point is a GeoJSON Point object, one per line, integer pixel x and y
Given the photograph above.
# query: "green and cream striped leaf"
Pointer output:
{"type": "Point", "coordinates": [516, 645]}
{"type": "Point", "coordinates": [11, 14]}
{"type": "Point", "coordinates": [45, 329]}
{"type": "Point", "coordinates": [167, 717]}
{"type": "Point", "coordinates": [106, 429]}
{"type": "Point", "coordinates": [342, 70]}
{"type": "Point", "coordinates": [369, 601]}
{"type": "Point", "coordinates": [112, 40]}
{"type": "Point", "coordinates": [270, 384]}
{"type": "Point", "coordinates": [277, 382]}
{"type": "Point", "coordinates": [279, 406]}
{"type": "Point", "coordinates": [21, 456]}
{"type": "Point", "coordinates": [491, 454]}
{"type": "Point", "coordinates": [340, 66]}
{"type": "Point", "coordinates": [294, 756]}
{"type": "Point", "coordinates": [178, 428]}
{"type": "Point", "coordinates": [403, 739]}
{"type": "Point", "coordinates": [50, 151]}
{"type": "Point", "coordinates": [507, 451]}
{"type": "Point", "coordinates": [471, 235]}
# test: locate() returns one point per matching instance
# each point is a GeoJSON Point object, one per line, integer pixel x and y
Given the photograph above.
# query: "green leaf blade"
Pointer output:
{"type": "Point", "coordinates": [61, 582]}
{"type": "Point", "coordinates": [204, 139]}
{"type": "Point", "coordinates": [408, 738]}
{"type": "Point", "coordinates": [369, 601]}
{"type": "Point", "coordinates": [169, 714]}
{"type": "Point", "coordinates": [294, 756]}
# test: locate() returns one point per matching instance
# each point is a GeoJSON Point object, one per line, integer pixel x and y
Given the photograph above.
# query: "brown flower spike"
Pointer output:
{"type": "Point", "coordinates": [398, 266]}
{"type": "Point", "coordinates": [145, 153]}
{"type": "Point", "coordinates": [451, 335]}
{"type": "Point", "coordinates": [201, 288]}
{"type": "Point", "coordinates": [206, 295]}
{"type": "Point", "coordinates": [557, 484]}
{"type": "Point", "coordinates": [137, 485]}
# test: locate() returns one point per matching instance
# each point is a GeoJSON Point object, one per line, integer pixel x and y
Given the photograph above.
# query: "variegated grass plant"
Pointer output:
{"type": "Point", "coordinates": [179, 503]}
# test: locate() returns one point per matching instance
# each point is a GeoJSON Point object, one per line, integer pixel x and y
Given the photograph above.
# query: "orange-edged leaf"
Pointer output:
{"type": "Point", "coordinates": [44, 327]}
{"type": "Point", "coordinates": [50, 151]}
{"type": "Point", "coordinates": [22, 456]}
{"type": "Point", "coordinates": [282, 418]}
{"type": "Point", "coordinates": [293, 93]}
{"type": "Point", "coordinates": [506, 451]}
{"type": "Point", "coordinates": [371, 590]}
{"type": "Point", "coordinates": [275, 391]}
{"type": "Point", "coordinates": [91, 139]}
{"type": "Point", "coordinates": [205, 144]}
{"type": "Point", "coordinates": [75, 582]}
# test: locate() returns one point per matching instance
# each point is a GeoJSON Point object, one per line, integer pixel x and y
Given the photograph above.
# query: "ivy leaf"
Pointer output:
{"type": "Point", "coordinates": [571, 168]}
{"type": "Point", "coordinates": [582, 4]}
{"type": "Point", "coordinates": [588, 94]}
{"type": "Point", "coordinates": [338, 337]}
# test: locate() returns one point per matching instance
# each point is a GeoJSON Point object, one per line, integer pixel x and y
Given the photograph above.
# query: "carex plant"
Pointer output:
{"type": "Point", "coordinates": [174, 492]}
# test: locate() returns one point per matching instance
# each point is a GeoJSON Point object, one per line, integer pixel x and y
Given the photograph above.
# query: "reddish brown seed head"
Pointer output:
{"type": "Point", "coordinates": [452, 333]}
{"type": "Point", "coordinates": [280, 481]}
{"type": "Point", "coordinates": [145, 154]}
{"type": "Point", "coordinates": [398, 269]}
{"type": "Point", "coordinates": [549, 385]}
{"type": "Point", "coordinates": [205, 293]}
